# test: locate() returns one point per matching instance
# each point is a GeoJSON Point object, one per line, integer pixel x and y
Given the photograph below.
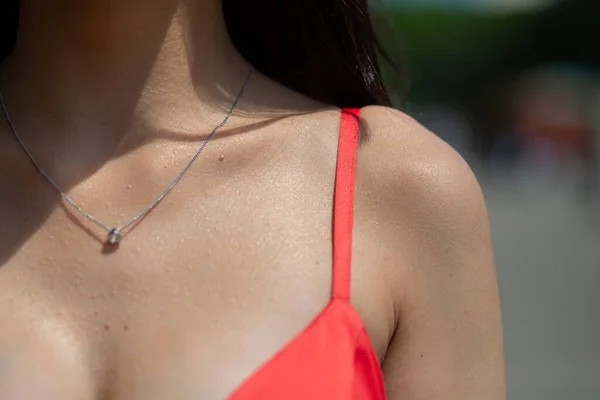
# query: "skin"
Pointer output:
{"type": "Point", "coordinates": [113, 97]}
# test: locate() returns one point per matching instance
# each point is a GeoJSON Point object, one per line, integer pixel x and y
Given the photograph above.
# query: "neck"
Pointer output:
{"type": "Point", "coordinates": [115, 65]}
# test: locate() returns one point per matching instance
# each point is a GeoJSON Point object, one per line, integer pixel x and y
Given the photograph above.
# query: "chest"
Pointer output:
{"type": "Point", "coordinates": [192, 303]}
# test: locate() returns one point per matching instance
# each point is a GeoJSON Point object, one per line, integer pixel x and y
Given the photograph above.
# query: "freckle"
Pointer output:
{"type": "Point", "coordinates": [421, 355]}
{"type": "Point", "coordinates": [107, 327]}
{"type": "Point", "coordinates": [126, 328]}
{"type": "Point", "coordinates": [222, 157]}
{"type": "Point", "coordinates": [95, 313]}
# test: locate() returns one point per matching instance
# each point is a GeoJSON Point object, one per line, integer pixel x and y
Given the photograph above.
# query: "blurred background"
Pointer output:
{"type": "Point", "coordinates": [514, 86]}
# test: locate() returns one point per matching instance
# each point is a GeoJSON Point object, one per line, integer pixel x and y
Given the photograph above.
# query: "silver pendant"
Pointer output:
{"type": "Point", "coordinates": [114, 237]}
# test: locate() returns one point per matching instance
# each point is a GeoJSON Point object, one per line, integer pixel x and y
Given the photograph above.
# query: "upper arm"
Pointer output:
{"type": "Point", "coordinates": [448, 339]}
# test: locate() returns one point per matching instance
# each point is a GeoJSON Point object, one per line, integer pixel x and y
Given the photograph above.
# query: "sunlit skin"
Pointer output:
{"type": "Point", "coordinates": [113, 97]}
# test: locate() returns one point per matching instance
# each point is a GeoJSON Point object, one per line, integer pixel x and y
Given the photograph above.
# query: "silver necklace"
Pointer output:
{"type": "Point", "coordinates": [115, 234]}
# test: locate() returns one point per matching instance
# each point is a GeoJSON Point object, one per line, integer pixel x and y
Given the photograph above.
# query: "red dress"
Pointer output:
{"type": "Point", "coordinates": [332, 359]}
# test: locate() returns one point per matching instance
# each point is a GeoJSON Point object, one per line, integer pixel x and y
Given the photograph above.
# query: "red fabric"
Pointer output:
{"type": "Point", "coordinates": [333, 357]}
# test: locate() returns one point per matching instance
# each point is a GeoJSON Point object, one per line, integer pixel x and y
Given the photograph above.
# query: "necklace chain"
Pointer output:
{"type": "Point", "coordinates": [115, 234]}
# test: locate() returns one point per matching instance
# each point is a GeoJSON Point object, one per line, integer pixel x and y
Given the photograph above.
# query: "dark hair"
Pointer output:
{"type": "Point", "coordinates": [325, 49]}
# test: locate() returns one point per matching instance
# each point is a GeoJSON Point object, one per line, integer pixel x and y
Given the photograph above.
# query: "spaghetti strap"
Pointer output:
{"type": "Point", "coordinates": [332, 358]}
{"type": "Point", "coordinates": [343, 208]}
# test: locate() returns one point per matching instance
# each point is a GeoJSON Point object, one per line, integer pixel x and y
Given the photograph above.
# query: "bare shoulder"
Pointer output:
{"type": "Point", "coordinates": [430, 214]}
{"type": "Point", "coordinates": [424, 178]}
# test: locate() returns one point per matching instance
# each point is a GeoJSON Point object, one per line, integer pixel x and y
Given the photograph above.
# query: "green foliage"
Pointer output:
{"type": "Point", "coordinates": [451, 46]}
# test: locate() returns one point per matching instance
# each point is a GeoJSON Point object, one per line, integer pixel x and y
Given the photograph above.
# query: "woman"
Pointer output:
{"type": "Point", "coordinates": [225, 290]}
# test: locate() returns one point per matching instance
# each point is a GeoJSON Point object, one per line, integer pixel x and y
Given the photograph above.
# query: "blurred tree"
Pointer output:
{"type": "Point", "coordinates": [471, 60]}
